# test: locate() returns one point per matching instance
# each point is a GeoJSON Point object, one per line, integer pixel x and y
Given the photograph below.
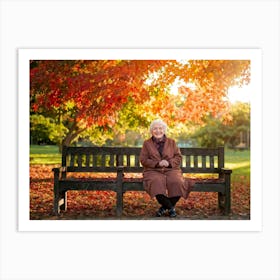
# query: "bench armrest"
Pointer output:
{"type": "Point", "coordinates": [226, 171]}
{"type": "Point", "coordinates": [58, 171]}
{"type": "Point", "coordinates": [225, 174]}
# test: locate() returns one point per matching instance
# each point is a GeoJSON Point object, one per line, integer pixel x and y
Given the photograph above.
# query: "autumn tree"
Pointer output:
{"type": "Point", "coordinates": [215, 133]}
{"type": "Point", "coordinates": [106, 93]}
{"type": "Point", "coordinates": [85, 93]}
{"type": "Point", "coordinates": [202, 88]}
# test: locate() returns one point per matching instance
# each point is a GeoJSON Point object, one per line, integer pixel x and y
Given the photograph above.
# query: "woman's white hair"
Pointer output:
{"type": "Point", "coordinates": [158, 122]}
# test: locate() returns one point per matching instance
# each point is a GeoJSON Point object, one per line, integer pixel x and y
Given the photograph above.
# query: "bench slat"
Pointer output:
{"type": "Point", "coordinates": [203, 161]}
{"type": "Point", "coordinates": [87, 185]}
{"type": "Point", "coordinates": [137, 161]}
{"type": "Point", "coordinates": [102, 159]}
{"type": "Point", "coordinates": [208, 187]}
{"type": "Point", "coordinates": [200, 170]}
{"type": "Point", "coordinates": [92, 169]}
{"type": "Point", "coordinates": [79, 160]}
{"type": "Point", "coordinates": [87, 160]}
{"type": "Point", "coordinates": [127, 160]}
{"type": "Point", "coordinates": [119, 160]}
{"type": "Point", "coordinates": [72, 159]}
{"type": "Point", "coordinates": [112, 160]}
{"type": "Point", "coordinates": [195, 161]}
{"type": "Point", "coordinates": [94, 160]}
{"type": "Point", "coordinates": [212, 162]}
{"type": "Point", "coordinates": [188, 160]}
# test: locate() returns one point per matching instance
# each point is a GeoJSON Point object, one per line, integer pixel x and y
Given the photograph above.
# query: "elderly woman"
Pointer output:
{"type": "Point", "coordinates": [161, 159]}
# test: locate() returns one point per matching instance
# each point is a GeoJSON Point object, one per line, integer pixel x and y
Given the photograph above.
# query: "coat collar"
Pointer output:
{"type": "Point", "coordinates": [163, 139]}
{"type": "Point", "coordinates": [155, 148]}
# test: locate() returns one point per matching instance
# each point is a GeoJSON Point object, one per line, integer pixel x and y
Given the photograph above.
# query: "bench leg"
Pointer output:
{"type": "Point", "coordinates": [119, 203]}
{"type": "Point", "coordinates": [60, 197]}
{"type": "Point", "coordinates": [119, 191]}
{"type": "Point", "coordinates": [56, 208]}
{"type": "Point", "coordinates": [227, 194]}
{"type": "Point", "coordinates": [63, 201]}
{"type": "Point", "coordinates": [224, 202]}
{"type": "Point", "coordinates": [60, 202]}
{"type": "Point", "coordinates": [227, 203]}
{"type": "Point", "coordinates": [221, 200]}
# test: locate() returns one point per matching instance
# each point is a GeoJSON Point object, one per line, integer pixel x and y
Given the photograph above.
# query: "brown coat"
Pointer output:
{"type": "Point", "coordinates": [163, 180]}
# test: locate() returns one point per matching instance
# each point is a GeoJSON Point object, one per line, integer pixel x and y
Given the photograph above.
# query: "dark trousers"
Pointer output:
{"type": "Point", "coordinates": [167, 202]}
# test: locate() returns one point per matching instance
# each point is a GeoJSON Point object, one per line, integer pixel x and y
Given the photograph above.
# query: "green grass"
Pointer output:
{"type": "Point", "coordinates": [238, 161]}
{"type": "Point", "coordinates": [44, 154]}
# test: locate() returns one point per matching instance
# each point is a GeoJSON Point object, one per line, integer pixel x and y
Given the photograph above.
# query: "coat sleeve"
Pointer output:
{"type": "Point", "coordinates": [145, 158]}
{"type": "Point", "coordinates": [175, 161]}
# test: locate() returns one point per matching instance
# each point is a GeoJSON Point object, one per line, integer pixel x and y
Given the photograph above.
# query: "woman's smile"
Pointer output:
{"type": "Point", "coordinates": [158, 131]}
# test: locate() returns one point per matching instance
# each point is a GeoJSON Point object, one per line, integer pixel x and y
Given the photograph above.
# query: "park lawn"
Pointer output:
{"type": "Point", "coordinates": [239, 163]}
{"type": "Point", "coordinates": [44, 154]}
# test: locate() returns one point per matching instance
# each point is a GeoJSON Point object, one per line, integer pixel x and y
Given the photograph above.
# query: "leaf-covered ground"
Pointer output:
{"type": "Point", "coordinates": [137, 205]}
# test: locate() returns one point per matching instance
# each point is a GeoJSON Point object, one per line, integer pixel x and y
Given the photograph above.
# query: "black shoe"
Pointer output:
{"type": "Point", "coordinates": [172, 212]}
{"type": "Point", "coordinates": [160, 211]}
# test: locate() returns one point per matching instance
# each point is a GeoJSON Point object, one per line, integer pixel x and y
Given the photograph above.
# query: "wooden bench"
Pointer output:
{"type": "Point", "coordinates": [123, 160]}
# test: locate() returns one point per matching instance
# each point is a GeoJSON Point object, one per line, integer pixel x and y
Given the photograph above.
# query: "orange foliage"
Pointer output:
{"type": "Point", "coordinates": [98, 89]}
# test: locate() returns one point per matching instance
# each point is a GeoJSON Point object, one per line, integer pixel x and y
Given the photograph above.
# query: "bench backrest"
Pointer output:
{"type": "Point", "coordinates": [107, 159]}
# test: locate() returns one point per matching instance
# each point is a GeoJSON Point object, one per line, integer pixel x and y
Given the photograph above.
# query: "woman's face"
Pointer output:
{"type": "Point", "coordinates": [158, 131]}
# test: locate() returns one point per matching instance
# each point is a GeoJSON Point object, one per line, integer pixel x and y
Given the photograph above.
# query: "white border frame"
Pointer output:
{"type": "Point", "coordinates": [255, 222]}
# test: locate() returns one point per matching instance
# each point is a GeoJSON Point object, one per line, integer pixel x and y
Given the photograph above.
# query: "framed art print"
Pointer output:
{"type": "Point", "coordinates": [108, 97]}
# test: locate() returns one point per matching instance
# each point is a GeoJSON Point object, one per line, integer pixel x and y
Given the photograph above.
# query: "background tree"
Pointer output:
{"type": "Point", "coordinates": [214, 132]}
{"type": "Point", "coordinates": [239, 127]}
{"type": "Point", "coordinates": [44, 130]}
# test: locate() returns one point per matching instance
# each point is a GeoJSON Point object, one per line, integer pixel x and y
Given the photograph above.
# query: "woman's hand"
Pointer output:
{"type": "Point", "coordinates": [163, 163]}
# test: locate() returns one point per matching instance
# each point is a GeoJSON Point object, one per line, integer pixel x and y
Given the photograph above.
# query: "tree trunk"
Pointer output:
{"type": "Point", "coordinates": [69, 138]}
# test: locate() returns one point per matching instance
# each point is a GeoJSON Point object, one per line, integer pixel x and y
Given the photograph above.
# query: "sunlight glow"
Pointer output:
{"type": "Point", "coordinates": [237, 94]}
